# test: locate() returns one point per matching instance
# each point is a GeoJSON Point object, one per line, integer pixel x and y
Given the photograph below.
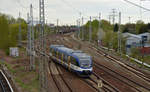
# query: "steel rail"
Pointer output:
{"type": "Point", "coordinates": [7, 81]}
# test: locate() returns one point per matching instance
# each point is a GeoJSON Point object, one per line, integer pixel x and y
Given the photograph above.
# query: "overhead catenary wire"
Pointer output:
{"type": "Point", "coordinates": [137, 5]}
{"type": "Point", "coordinates": [24, 7]}
{"type": "Point", "coordinates": [69, 5]}
{"type": "Point", "coordinates": [74, 8]}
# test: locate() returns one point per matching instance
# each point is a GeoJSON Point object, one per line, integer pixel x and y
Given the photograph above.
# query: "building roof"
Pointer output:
{"type": "Point", "coordinates": [146, 34]}
{"type": "Point", "coordinates": [131, 35]}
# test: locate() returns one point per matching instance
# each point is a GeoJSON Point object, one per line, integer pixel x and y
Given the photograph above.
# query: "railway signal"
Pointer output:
{"type": "Point", "coordinates": [100, 85]}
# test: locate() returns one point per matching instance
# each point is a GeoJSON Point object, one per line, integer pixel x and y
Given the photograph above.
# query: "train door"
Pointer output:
{"type": "Point", "coordinates": [74, 63]}
{"type": "Point", "coordinates": [69, 63]}
{"type": "Point", "coordinates": [62, 58]}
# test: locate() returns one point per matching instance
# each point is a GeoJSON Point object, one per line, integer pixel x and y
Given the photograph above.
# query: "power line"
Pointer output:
{"type": "Point", "coordinates": [24, 7]}
{"type": "Point", "coordinates": [73, 8]}
{"type": "Point", "coordinates": [137, 5]}
{"type": "Point", "coordinates": [69, 5]}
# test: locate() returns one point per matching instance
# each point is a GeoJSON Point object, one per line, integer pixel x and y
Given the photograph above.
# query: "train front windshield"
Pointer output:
{"type": "Point", "coordinates": [85, 63]}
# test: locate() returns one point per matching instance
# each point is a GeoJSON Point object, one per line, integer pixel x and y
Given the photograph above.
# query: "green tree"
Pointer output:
{"type": "Point", "coordinates": [9, 28]}
{"type": "Point", "coordinates": [116, 28]}
{"type": "Point", "coordinates": [139, 24]}
{"type": "Point", "coordinates": [4, 32]}
{"type": "Point", "coordinates": [129, 28]}
{"type": "Point", "coordinates": [143, 29]}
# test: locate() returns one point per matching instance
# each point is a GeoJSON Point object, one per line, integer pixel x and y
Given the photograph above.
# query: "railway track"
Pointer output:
{"type": "Point", "coordinates": [120, 77]}
{"type": "Point", "coordinates": [4, 83]}
{"type": "Point", "coordinates": [105, 86]}
{"type": "Point", "coordinates": [136, 86]}
{"type": "Point", "coordinates": [126, 66]}
{"type": "Point", "coordinates": [90, 81]}
{"type": "Point", "coordinates": [59, 80]}
{"type": "Point", "coordinates": [93, 82]}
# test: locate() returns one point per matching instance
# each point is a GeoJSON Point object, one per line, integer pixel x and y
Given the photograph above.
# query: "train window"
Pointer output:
{"type": "Point", "coordinates": [52, 51]}
{"type": "Point", "coordinates": [55, 53]}
{"type": "Point", "coordinates": [60, 55]}
{"type": "Point", "coordinates": [65, 58]}
{"type": "Point", "coordinates": [74, 61]}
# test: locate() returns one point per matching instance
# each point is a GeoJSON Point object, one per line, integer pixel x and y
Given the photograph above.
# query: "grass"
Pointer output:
{"type": "Point", "coordinates": [27, 80]}
{"type": "Point", "coordinates": [9, 67]}
{"type": "Point", "coordinates": [32, 86]}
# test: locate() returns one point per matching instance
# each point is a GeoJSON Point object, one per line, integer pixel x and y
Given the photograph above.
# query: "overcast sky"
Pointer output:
{"type": "Point", "coordinates": [67, 11]}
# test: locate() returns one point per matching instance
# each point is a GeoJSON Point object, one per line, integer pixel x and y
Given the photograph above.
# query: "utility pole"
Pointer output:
{"type": "Point", "coordinates": [114, 15]}
{"type": "Point", "coordinates": [129, 19]}
{"type": "Point", "coordinates": [79, 28]}
{"type": "Point", "coordinates": [28, 35]}
{"type": "Point", "coordinates": [82, 28]}
{"type": "Point", "coordinates": [109, 16]}
{"type": "Point", "coordinates": [140, 10]}
{"type": "Point", "coordinates": [77, 25]}
{"type": "Point", "coordinates": [57, 25]}
{"type": "Point", "coordinates": [119, 34]}
{"type": "Point", "coordinates": [32, 60]}
{"type": "Point", "coordinates": [99, 40]}
{"type": "Point", "coordinates": [29, 48]}
{"type": "Point", "coordinates": [19, 35]}
{"type": "Point", "coordinates": [99, 21]}
{"type": "Point", "coordinates": [42, 64]}
{"type": "Point", "coordinates": [90, 29]}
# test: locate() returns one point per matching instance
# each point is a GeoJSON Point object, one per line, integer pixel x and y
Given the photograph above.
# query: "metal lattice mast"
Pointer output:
{"type": "Point", "coordinates": [42, 44]}
{"type": "Point", "coordinates": [90, 29]}
{"type": "Point", "coordinates": [113, 15]}
{"type": "Point", "coordinates": [119, 34]}
{"type": "Point", "coordinates": [19, 35]}
{"type": "Point", "coordinates": [32, 60]}
{"type": "Point", "coordinates": [82, 28]}
{"type": "Point", "coordinates": [28, 34]}
{"type": "Point", "coordinates": [99, 29]}
{"type": "Point", "coordinates": [57, 26]}
{"type": "Point", "coordinates": [99, 25]}
{"type": "Point", "coordinates": [79, 29]}
{"type": "Point", "coordinates": [29, 46]}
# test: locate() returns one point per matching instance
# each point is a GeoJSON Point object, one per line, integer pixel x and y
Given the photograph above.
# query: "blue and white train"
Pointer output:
{"type": "Point", "coordinates": [76, 61]}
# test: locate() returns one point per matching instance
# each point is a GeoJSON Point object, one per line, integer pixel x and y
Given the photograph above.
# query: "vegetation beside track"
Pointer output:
{"type": "Point", "coordinates": [27, 81]}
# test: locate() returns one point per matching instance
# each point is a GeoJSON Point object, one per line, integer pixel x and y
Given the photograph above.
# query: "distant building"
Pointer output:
{"type": "Point", "coordinates": [137, 41]}
{"type": "Point", "coordinates": [52, 25]}
{"type": "Point", "coordinates": [146, 36]}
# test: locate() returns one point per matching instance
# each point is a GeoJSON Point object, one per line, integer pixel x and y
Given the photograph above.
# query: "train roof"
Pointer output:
{"type": "Point", "coordinates": [81, 55]}
{"type": "Point", "coordinates": [72, 52]}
